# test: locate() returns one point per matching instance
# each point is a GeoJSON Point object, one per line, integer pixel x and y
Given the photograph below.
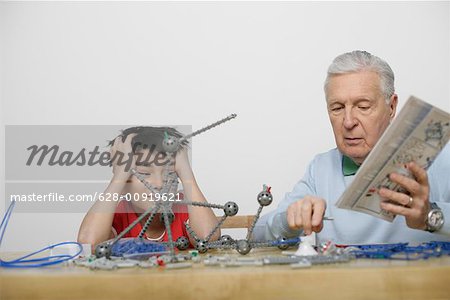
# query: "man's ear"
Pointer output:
{"type": "Point", "coordinates": [393, 105]}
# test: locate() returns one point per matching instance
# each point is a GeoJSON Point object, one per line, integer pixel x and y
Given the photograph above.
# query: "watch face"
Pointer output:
{"type": "Point", "coordinates": [436, 218]}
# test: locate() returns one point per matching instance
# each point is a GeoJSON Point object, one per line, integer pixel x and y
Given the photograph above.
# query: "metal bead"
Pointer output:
{"type": "Point", "coordinates": [265, 198]}
{"type": "Point", "coordinates": [282, 246]}
{"type": "Point", "coordinates": [201, 246]}
{"type": "Point", "coordinates": [230, 209]}
{"type": "Point", "coordinates": [226, 239]}
{"type": "Point", "coordinates": [243, 247]}
{"type": "Point", "coordinates": [103, 250]}
{"type": "Point", "coordinates": [170, 144]}
{"type": "Point", "coordinates": [182, 243]}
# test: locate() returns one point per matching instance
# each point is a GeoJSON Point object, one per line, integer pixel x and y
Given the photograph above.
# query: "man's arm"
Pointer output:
{"type": "Point", "coordinates": [438, 176]}
{"type": "Point", "coordinates": [298, 211]}
{"type": "Point", "coordinates": [423, 188]}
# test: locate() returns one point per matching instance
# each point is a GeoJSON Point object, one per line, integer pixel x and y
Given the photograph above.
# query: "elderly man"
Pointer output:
{"type": "Point", "coordinates": [361, 102]}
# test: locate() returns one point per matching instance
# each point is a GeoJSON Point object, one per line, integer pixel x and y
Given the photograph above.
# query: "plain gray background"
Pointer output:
{"type": "Point", "coordinates": [194, 63]}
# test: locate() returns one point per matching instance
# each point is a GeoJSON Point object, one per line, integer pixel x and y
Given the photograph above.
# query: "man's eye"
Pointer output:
{"type": "Point", "coordinates": [336, 109]}
{"type": "Point", "coordinates": [364, 107]}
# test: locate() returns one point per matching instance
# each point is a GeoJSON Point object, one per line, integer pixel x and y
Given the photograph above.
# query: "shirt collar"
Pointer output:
{"type": "Point", "coordinates": [349, 167]}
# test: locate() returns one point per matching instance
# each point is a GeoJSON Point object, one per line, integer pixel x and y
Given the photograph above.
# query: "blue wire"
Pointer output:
{"type": "Point", "coordinates": [290, 242]}
{"type": "Point", "coordinates": [23, 262]}
{"type": "Point", "coordinates": [401, 251]}
{"type": "Point", "coordinates": [5, 220]}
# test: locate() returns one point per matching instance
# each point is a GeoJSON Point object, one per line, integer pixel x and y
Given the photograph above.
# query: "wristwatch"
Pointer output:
{"type": "Point", "coordinates": [435, 218]}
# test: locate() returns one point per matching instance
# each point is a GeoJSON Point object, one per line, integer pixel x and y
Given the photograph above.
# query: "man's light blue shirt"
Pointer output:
{"type": "Point", "coordinates": [324, 178]}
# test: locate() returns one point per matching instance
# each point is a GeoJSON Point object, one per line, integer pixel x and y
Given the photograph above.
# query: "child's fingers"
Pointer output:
{"type": "Point", "coordinates": [114, 145]}
{"type": "Point", "coordinates": [129, 138]}
{"type": "Point", "coordinates": [123, 144]}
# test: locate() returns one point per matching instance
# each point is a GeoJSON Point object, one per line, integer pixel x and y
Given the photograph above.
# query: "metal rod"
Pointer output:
{"type": "Point", "coordinates": [188, 136]}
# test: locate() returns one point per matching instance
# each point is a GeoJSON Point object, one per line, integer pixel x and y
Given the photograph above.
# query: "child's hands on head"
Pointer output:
{"type": "Point", "coordinates": [182, 165]}
{"type": "Point", "coordinates": [122, 157]}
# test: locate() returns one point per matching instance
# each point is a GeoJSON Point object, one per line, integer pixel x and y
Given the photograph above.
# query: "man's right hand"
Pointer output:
{"type": "Point", "coordinates": [306, 214]}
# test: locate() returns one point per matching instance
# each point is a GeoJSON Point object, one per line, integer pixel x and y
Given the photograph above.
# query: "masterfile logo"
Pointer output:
{"type": "Point", "coordinates": [67, 152]}
{"type": "Point", "coordinates": [64, 168]}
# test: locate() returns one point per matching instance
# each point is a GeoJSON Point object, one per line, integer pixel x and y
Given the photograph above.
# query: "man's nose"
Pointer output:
{"type": "Point", "coordinates": [349, 119]}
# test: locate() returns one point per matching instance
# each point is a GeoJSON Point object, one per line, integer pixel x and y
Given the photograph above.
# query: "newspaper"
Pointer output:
{"type": "Point", "coordinates": [418, 134]}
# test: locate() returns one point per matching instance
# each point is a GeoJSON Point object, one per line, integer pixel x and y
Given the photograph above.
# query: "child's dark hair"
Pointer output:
{"type": "Point", "coordinates": [148, 137]}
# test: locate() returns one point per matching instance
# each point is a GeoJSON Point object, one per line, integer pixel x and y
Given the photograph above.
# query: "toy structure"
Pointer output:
{"type": "Point", "coordinates": [242, 246]}
{"type": "Point", "coordinates": [170, 184]}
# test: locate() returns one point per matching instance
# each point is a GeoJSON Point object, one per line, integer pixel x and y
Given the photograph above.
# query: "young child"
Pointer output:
{"type": "Point", "coordinates": [142, 146]}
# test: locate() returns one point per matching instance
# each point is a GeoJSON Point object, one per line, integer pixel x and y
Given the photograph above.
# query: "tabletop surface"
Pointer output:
{"type": "Point", "coordinates": [361, 278]}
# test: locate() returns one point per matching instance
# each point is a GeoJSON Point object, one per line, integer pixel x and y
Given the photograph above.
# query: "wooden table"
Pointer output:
{"type": "Point", "coordinates": [358, 279]}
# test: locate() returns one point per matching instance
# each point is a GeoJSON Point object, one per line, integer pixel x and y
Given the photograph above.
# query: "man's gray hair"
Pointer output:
{"type": "Point", "coordinates": [357, 61]}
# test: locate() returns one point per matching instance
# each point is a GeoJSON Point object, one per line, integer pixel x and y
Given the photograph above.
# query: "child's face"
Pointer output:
{"type": "Point", "coordinates": [152, 170]}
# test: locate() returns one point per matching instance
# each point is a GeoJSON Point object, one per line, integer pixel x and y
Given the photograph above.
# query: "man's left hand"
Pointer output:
{"type": "Point", "coordinates": [414, 204]}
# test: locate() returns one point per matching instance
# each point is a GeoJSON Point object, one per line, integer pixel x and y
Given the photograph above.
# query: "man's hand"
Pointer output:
{"type": "Point", "coordinates": [307, 214]}
{"type": "Point", "coordinates": [122, 158]}
{"type": "Point", "coordinates": [414, 204]}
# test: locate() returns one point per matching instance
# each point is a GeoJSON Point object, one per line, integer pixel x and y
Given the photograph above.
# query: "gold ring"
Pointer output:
{"type": "Point", "coordinates": [410, 202]}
